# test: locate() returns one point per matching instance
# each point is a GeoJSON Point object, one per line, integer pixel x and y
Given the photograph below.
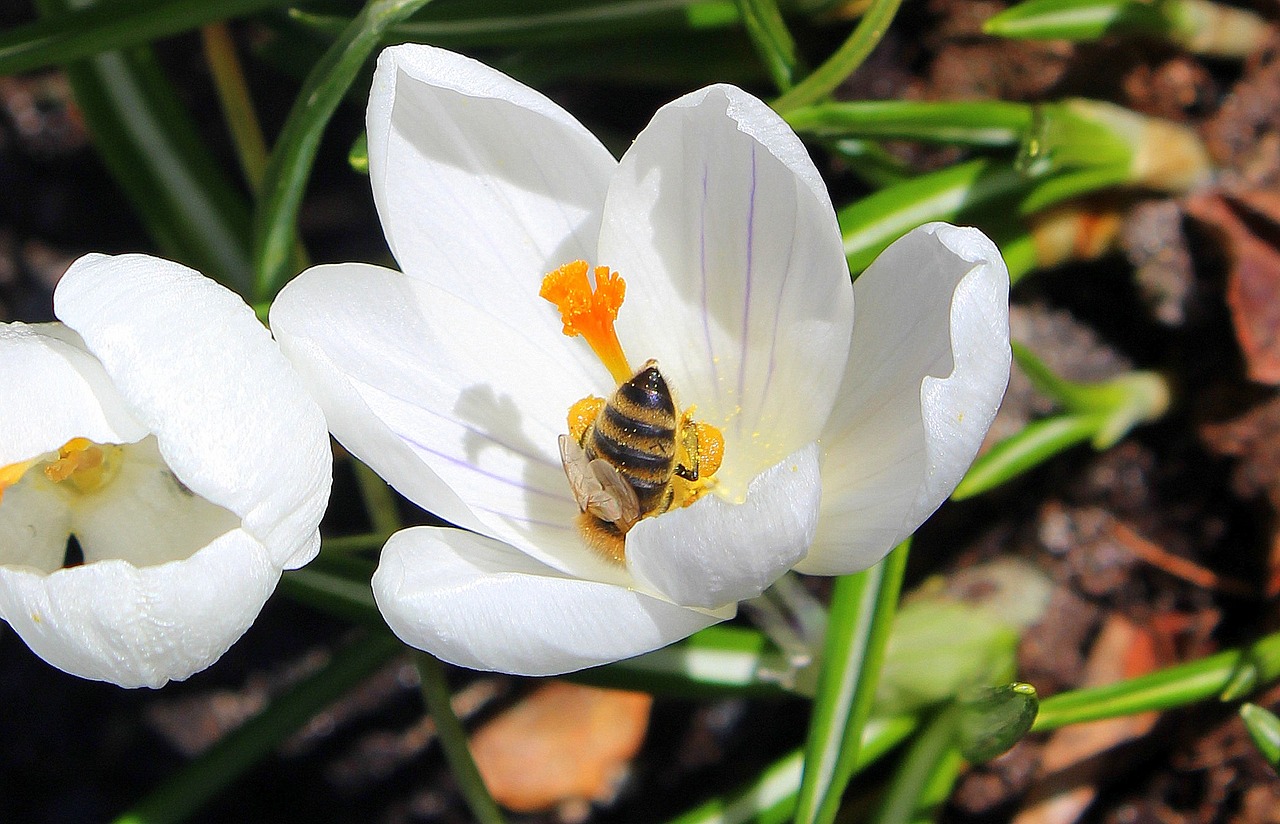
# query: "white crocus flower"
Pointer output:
{"type": "Point", "coordinates": [159, 425]}
{"type": "Point", "coordinates": [454, 379]}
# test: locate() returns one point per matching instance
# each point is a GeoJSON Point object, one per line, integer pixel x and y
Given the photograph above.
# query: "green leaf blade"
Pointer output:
{"type": "Point", "coordinates": [76, 33]}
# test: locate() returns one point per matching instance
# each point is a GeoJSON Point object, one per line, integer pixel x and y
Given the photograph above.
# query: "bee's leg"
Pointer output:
{"type": "Point", "coordinates": [687, 466]}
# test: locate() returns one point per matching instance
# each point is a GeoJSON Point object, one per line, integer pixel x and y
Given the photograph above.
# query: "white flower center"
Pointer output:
{"type": "Point", "coordinates": [118, 501]}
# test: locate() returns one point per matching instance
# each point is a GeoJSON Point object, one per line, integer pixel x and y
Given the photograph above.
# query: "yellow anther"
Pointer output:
{"type": "Point", "coordinates": [700, 450]}
{"type": "Point", "coordinates": [87, 466]}
{"type": "Point", "coordinates": [84, 465]}
{"type": "Point", "coordinates": [590, 311]}
{"type": "Point", "coordinates": [582, 414]}
{"type": "Point", "coordinates": [710, 448]}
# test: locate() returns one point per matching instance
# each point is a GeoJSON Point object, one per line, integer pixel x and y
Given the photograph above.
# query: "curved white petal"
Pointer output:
{"type": "Point", "coordinates": [483, 185]}
{"type": "Point", "coordinates": [457, 410]}
{"type": "Point", "coordinates": [145, 515]}
{"type": "Point", "coordinates": [54, 391]}
{"type": "Point", "coordinates": [928, 366]}
{"type": "Point", "coordinates": [737, 281]}
{"type": "Point", "coordinates": [478, 603]}
{"type": "Point", "coordinates": [198, 370]}
{"type": "Point", "coordinates": [715, 553]}
{"type": "Point", "coordinates": [112, 621]}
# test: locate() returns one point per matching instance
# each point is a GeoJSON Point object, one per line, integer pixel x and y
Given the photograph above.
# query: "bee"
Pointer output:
{"type": "Point", "coordinates": [628, 458]}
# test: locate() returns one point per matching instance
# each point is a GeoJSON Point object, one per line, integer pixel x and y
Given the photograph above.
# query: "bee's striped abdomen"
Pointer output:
{"type": "Point", "coordinates": [636, 433]}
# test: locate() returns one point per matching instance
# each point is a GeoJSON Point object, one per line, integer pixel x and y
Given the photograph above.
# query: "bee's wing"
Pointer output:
{"type": "Point", "coordinates": [597, 487]}
{"type": "Point", "coordinates": [617, 503]}
{"type": "Point", "coordinates": [578, 470]}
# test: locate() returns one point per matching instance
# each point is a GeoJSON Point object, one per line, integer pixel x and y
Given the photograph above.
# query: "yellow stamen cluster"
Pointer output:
{"type": "Point", "coordinates": [84, 465]}
{"type": "Point", "coordinates": [590, 311]}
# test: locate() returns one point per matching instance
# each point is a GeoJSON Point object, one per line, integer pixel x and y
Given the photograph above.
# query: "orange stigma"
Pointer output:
{"type": "Point", "coordinates": [590, 312]}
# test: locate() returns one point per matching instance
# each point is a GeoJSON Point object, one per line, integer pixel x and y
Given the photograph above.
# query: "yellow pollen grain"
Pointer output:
{"type": "Point", "coordinates": [590, 311]}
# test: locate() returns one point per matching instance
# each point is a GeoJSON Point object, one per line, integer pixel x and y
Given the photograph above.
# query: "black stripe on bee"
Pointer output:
{"type": "Point", "coordinates": [636, 434]}
{"type": "Point", "coordinates": [638, 428]}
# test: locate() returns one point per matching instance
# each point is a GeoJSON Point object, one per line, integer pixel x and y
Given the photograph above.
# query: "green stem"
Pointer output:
{"type": "Point", "coordinates": [861, 615]}
{"type": "Point", "coordinates": [193, 785]}
{"type": "Point", "coordinates": [453, 739]}
{"type": "Point", "coordinates": [845, 61]}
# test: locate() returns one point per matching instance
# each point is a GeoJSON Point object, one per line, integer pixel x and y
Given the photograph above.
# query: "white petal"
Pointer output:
{"type": "Point", "coordinates": [112, 621]}
{"type": "Point", "coordinates": [483, 185]}
{"type": "Point", "coordinates": [145, 516]}
{"type": "Point", "coordinates": [197, 368]}
{"type": "Point", "coordinates": [928, 366]}
{"type": "Point", "coordinates": [737, 281]}
{"type": "Point", "coordinates": [457, 410]}
{"type": "Point", "coordinates": [477, 603]}
{"type": "Point", "coordinates": [34, 527]}
{"type": "Point", "coordinates": [54, 391]}
{"type": "Point", "coordinates": [714, 552]}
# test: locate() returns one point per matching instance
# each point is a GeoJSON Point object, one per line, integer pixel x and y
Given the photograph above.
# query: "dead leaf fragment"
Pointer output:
{"type": "Point", "coordinates": [1249, 225]}
{"type": "Point", "coordinates": [562, 745]}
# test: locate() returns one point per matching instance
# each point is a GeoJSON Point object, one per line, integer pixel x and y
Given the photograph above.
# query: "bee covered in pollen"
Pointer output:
{"type": "Point", "coordinates": [632, 456]}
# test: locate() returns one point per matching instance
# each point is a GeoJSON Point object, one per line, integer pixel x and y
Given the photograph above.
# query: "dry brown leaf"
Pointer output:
{"type": "Point", "coordinates": [1253, 436]}
{"type": "Point", "coordinates": [562, 744]}
{"type": "Point", "coordinates": [1065, 783]}
{"type": "Point", "coordinates": [1249, 225]}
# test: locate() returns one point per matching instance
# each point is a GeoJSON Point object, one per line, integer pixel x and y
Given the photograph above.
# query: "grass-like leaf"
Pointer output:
{"type": "Point", "coordinates": [76, 33]}
{"type": "Point", "coordinates": [155, 154]}
{"type": "Point", "coordinates": [199, 781]}
{"type": "Point", "coordinates": [981, 123]}
{"type": "Point", "coordinates": [1264, 729]}
{"type": "Point", "coordinates": [845, 61]}
{"type": "Point", "coordinates": [772, 40]}
{"type": "Point", "coordinates": [1227, 675]}
{"type": "Point", "coordinates": [290, 166]}
{"type": "Point", "coordinates": [861, 616]}
{"type": "Point", "coordinates": [771, 797]}
{"type": "Point", "coordinates": [720, 660]}
{"type": "Point", "coordinates": [537, 26]}
{"type": "Point", "coordinates": [1200, 26]}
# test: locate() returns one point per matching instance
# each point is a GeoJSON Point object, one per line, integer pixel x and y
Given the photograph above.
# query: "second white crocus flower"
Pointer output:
{"type": "Point", "coordinates": [159, 427]}
{"type": "Point", "coordinates": [455, 380]}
